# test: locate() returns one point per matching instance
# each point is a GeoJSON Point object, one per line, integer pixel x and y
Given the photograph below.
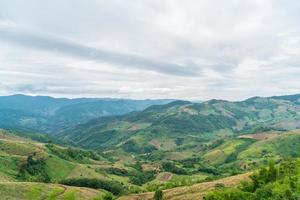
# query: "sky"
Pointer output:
{"type": "Point", "coordinates": [192, 49]}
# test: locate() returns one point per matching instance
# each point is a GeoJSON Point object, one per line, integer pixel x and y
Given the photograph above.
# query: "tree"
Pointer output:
{"type": "Point", "coordinates": [158, 195]}
{"type": "Point", "coordinates": [272, 172]}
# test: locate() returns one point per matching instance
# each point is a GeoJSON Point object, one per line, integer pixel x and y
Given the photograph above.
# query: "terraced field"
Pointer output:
{"type": "Point", "coordinates": [193, 192]}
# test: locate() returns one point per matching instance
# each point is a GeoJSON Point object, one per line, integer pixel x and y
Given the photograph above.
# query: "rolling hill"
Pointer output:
{"type": "Point", "coordinates": [181, 123]}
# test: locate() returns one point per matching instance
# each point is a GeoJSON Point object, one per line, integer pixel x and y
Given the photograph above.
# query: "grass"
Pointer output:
{"type": "Point", "coordinates": [17, 148]}
{"type": "Point", "coordinates": [39, 191]}
{"type": "Point", "coordinates": [58, 168]}
{"type": "Point", "coordinates": [285, 145]}
{"type": "Point", "coordinates": [85, 171]}
{"type": "Point", "coordinates": [9, 167]}
{"type": "Point", "coordinates": [220, 154]}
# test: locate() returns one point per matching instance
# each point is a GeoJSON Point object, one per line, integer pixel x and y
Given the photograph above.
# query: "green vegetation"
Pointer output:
{"type": "Point", "coordinates": [274, 182]}
{"type": "Point", "coordinates": [34, 170]}
{"type": "Point", "coordinates": [111, 186]}
{"type": "Point", "coordinates": [139, 178]}
{"type": "Point", "coordinates": [158, 195]}
{"type": "Point", "coordinates": [163, 147]}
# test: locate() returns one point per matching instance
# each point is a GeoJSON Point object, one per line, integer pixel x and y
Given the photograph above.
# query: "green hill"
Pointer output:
{"type": "Point", "coordinates": [173, 147]}
{"type": "Point", "coordinates": [185, 123]}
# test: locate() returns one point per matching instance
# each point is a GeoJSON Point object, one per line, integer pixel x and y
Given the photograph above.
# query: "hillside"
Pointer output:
{"type": "Point", "coordinates": [37, 169]}
{"type": "Point", "coordinates": [47, 114]}
{"type": "Point", "coordinates": [196, 191]}
{"type": "Point", "coordinates": [182, 123]}
{"type": "Point", "coordinates": [182, 148]}
{"type": "Point", "coordinates": [32, 191]}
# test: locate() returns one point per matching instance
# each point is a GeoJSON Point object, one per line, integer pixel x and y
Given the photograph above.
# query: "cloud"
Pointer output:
{"type": "Point", "coordinates": [66, 47]}
{"type": "Point", "coordinates": [150, 49]}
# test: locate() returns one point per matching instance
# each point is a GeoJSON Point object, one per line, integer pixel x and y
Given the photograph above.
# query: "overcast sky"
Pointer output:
{"type": "Point", "coordinates": [192, 49]}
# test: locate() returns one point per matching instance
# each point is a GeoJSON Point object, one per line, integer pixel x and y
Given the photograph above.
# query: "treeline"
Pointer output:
{"type": "Point", "coordinates": [73, 154]}
{"type": "Point", "coordinates": [272, 183]}
{"type": "Point", "coordinates": [112, 186]}
{"type": "Point", "coordinates": [136, 175]}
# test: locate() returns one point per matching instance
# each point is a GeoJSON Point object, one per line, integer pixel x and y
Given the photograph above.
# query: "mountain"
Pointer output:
{"type": "Point", "coordinates": [185, 123]}
{"type": "Point", "coordinates": [48, 114]}
{"type": "Point", "coordinates": [185, 149]}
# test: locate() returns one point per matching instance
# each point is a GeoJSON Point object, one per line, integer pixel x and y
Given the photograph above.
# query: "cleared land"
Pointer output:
{"type": "Point", "coordinates": [193, 192]}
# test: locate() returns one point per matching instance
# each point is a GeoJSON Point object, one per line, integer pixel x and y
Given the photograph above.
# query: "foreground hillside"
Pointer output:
{"type": "Point", "coordinates": [35, 168]}
{"type": "Point", "coordinates": [32, 191]}
{"type": "Point", "coordinates": [25, 164]}
{"type": "Point", "coordinates": [196, 191]}
{"type": "Point", "coordinates": [275, 182]}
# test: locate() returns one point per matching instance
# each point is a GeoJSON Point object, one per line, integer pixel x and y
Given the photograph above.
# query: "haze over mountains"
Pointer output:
{"type": "Point", "coordinates": [104, 123]}
{"type": "Point", "coordinates": [47, 114]}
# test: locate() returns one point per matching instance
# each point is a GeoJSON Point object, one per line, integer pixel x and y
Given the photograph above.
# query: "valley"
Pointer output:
{"type": "Point", "coordinates": [188, 150]}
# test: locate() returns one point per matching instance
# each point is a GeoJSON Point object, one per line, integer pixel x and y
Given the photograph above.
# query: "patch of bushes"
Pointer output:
{"type": "Point", "coordinates": [117, 171]}
{"type": "Point", "coordinates": [171, 167]}
{"type": "Point", "coordinates": [34, 170]}
{"type": "Point", "coordinates": [272, 183]}
{"type": "Point", "coordinates": [139, 178]}
{"type": "Point", "coordinates": [72, 154]}
{"type": "Point", "coordinates": [209, 170]}
{"type": "Point", "coordinates": [132, 146]}
{"type": "Point", "coordinates": [112, 186]}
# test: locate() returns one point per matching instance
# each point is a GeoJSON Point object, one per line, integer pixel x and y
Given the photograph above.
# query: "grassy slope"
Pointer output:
{"type": "Point", "coordinates": [32, 191]}
{"type": "Point", "coordinates": [190, 192]}
{"type": "Point", "coordinates": [245, 149]}
{"type": "Point", "coordinates": [14, 151]}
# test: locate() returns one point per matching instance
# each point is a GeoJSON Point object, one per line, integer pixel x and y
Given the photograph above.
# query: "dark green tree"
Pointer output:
{"type": "Point", "coordinates": [272, 172]}
{"type": "Point", "coordinates": [158, 195]}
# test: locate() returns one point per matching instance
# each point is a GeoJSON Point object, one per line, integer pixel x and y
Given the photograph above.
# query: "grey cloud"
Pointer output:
{"type": "Point", "coordinates": [58, 45]}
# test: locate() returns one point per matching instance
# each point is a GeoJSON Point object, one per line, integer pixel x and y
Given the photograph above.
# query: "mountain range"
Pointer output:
{"type": "Point", "coordinates": [46, 114]}
{"type": "Point", "coordinates": [186, 122]}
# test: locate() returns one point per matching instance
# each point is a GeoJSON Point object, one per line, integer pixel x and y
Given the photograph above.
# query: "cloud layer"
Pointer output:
{"type": "Point", "coordinates": [150, 49]}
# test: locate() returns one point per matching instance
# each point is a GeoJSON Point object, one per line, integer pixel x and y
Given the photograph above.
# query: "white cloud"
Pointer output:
{"type": "Point", "coordinates": [150, 49]}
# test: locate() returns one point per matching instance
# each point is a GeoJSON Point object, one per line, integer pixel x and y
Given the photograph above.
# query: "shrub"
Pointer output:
{"type": "Point", "coordinates": [140, 178]}
{"type": "Point", "coordinates": [34, 170]}
{"type": "Point", "coordinates": [171, 167]}
{"type": "Point", "coordinates": [227, 194]}
{"type": "Point", "coordinates": [112, 186]}
{"type": "Point", "coordinates": [158, 195]}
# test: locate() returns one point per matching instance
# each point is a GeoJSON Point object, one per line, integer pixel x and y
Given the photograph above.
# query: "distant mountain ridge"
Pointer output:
{"type": "Point", "coordinates": [48, 114]}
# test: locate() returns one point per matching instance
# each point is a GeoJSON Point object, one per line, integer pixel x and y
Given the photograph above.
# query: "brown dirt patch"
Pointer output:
{"type": "Point", "coordinates": [165, 176]}
{"type": "Point", "coordinates": [155, 143]}
{"type": "Point", "coordinates": [134, 127]}
{"type": "Point", "coordinates": [260, 136]}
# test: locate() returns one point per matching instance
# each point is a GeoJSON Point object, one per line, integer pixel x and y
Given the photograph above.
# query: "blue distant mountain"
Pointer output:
{"type": "Point", "coordinates": [48, 114]}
